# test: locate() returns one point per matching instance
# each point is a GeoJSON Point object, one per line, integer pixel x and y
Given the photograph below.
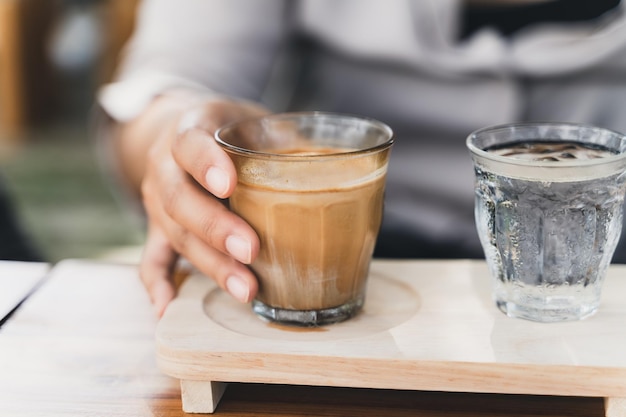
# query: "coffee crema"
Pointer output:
{"type": "Point", "coordinates": [311, 151]}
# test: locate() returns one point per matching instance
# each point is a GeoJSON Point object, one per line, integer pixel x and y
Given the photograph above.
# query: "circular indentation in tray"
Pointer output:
{"type": "Point", "coordinates": [388, 303]}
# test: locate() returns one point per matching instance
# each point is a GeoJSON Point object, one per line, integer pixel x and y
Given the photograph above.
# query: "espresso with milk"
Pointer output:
{"type": "Point", "coordinates": [316, 244]}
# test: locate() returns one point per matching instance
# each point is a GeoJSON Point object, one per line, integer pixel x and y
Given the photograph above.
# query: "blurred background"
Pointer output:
{"type": "Point", "coordinates": [53, 56]}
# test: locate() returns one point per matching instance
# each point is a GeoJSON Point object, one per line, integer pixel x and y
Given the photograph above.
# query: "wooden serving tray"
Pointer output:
{"type": "Point", "coordinates": [426, 325]}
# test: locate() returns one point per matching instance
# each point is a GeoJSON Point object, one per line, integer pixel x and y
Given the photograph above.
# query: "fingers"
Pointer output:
{"type": "Point", "coordinates": [201, 229]}
{"type": "Point", "coordinates": [196, 211]}
{"type": "Point", "coordinates": [203, 216]}
{"type": "Point", "coordinates": [230, 274]}
{"type": "Point", "coordinates": [185, 170]}
{"type": "Point", "coordinates": [156, 268]}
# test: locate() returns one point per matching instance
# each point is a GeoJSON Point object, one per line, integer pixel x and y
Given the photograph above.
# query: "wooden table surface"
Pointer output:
{"type": "Point", "coordinates": [17, 281]}
{"type": "Point", "coordinates": [83, 345]}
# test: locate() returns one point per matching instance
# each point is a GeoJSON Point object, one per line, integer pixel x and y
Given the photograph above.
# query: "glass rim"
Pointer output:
{"type": "Point", "coordinates": [383, 127]}
{"type": "Point", "coordinates": [475, 150]}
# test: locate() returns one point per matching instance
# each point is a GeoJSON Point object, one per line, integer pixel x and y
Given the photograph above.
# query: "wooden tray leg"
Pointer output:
{"type": "Point", "coordinates": [201, 396]}
{"type": "Point", "coordinates": [615, 407]}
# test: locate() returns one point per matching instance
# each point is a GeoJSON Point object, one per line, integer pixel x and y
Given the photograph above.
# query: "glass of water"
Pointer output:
{"type": "Point", "coordinates": [549, 207]}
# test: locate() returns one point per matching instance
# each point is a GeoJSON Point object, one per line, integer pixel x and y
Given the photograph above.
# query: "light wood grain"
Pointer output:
{"type": "Point", "coordinates": [84, 345]}
{"type": "Point", "coordinates": [201, 396]}
{"type": "Point", "coordinates": [435, 329]}
{"type": "Point", "coordinates": [615, 407]}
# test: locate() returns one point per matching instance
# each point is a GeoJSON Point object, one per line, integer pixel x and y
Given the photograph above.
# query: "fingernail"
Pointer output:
{"type": "Point", "coordinates": [239, 248]}
{"type": "Point", "coordinates": [238, 288]}
{"type": "Point", "coordinates": [217, 181]}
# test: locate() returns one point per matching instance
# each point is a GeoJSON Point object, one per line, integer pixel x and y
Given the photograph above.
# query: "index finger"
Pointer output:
{"type": "Point", "coordinates": [203, 158]}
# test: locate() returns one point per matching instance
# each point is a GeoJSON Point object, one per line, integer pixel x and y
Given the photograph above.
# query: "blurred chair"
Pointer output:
{"type": "Point", "coordinates": [26, 87]}
{"type": "Point", "coordinates": [119, 25]}
{"type": "Point", "coordinates": [12, 113]}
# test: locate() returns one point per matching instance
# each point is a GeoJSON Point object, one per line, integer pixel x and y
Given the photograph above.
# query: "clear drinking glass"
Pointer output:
{"type": "Point", "coordinates": [549, 202]}
{"type": "Point", "coordinates": [311, 185]}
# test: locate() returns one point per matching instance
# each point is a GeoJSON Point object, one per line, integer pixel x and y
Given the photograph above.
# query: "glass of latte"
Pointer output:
{"type": "Point", "coordinates": [549, 206]}
{"type": "Point", "coordinates": [311, 185]}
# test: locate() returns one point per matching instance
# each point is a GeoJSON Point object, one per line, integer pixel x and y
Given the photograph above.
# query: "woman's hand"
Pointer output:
{"type": "Point", "coordinates": [183, 175]}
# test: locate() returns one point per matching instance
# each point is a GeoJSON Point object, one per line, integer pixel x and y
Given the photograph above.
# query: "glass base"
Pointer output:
{"type": "Point", "coordinates": [308, 318]}
{"type": "Point", "coordinates": [547, 315]}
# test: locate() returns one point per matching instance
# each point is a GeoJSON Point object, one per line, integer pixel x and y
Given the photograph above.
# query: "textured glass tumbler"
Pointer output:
{"type": "Point", "coordinates": [311, 185]}
{"type": "Point", "coordinates": [549, 207]}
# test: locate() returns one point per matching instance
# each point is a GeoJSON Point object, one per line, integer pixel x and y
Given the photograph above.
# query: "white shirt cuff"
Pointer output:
{"type": "Point", "coordinates": [125, 99]}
